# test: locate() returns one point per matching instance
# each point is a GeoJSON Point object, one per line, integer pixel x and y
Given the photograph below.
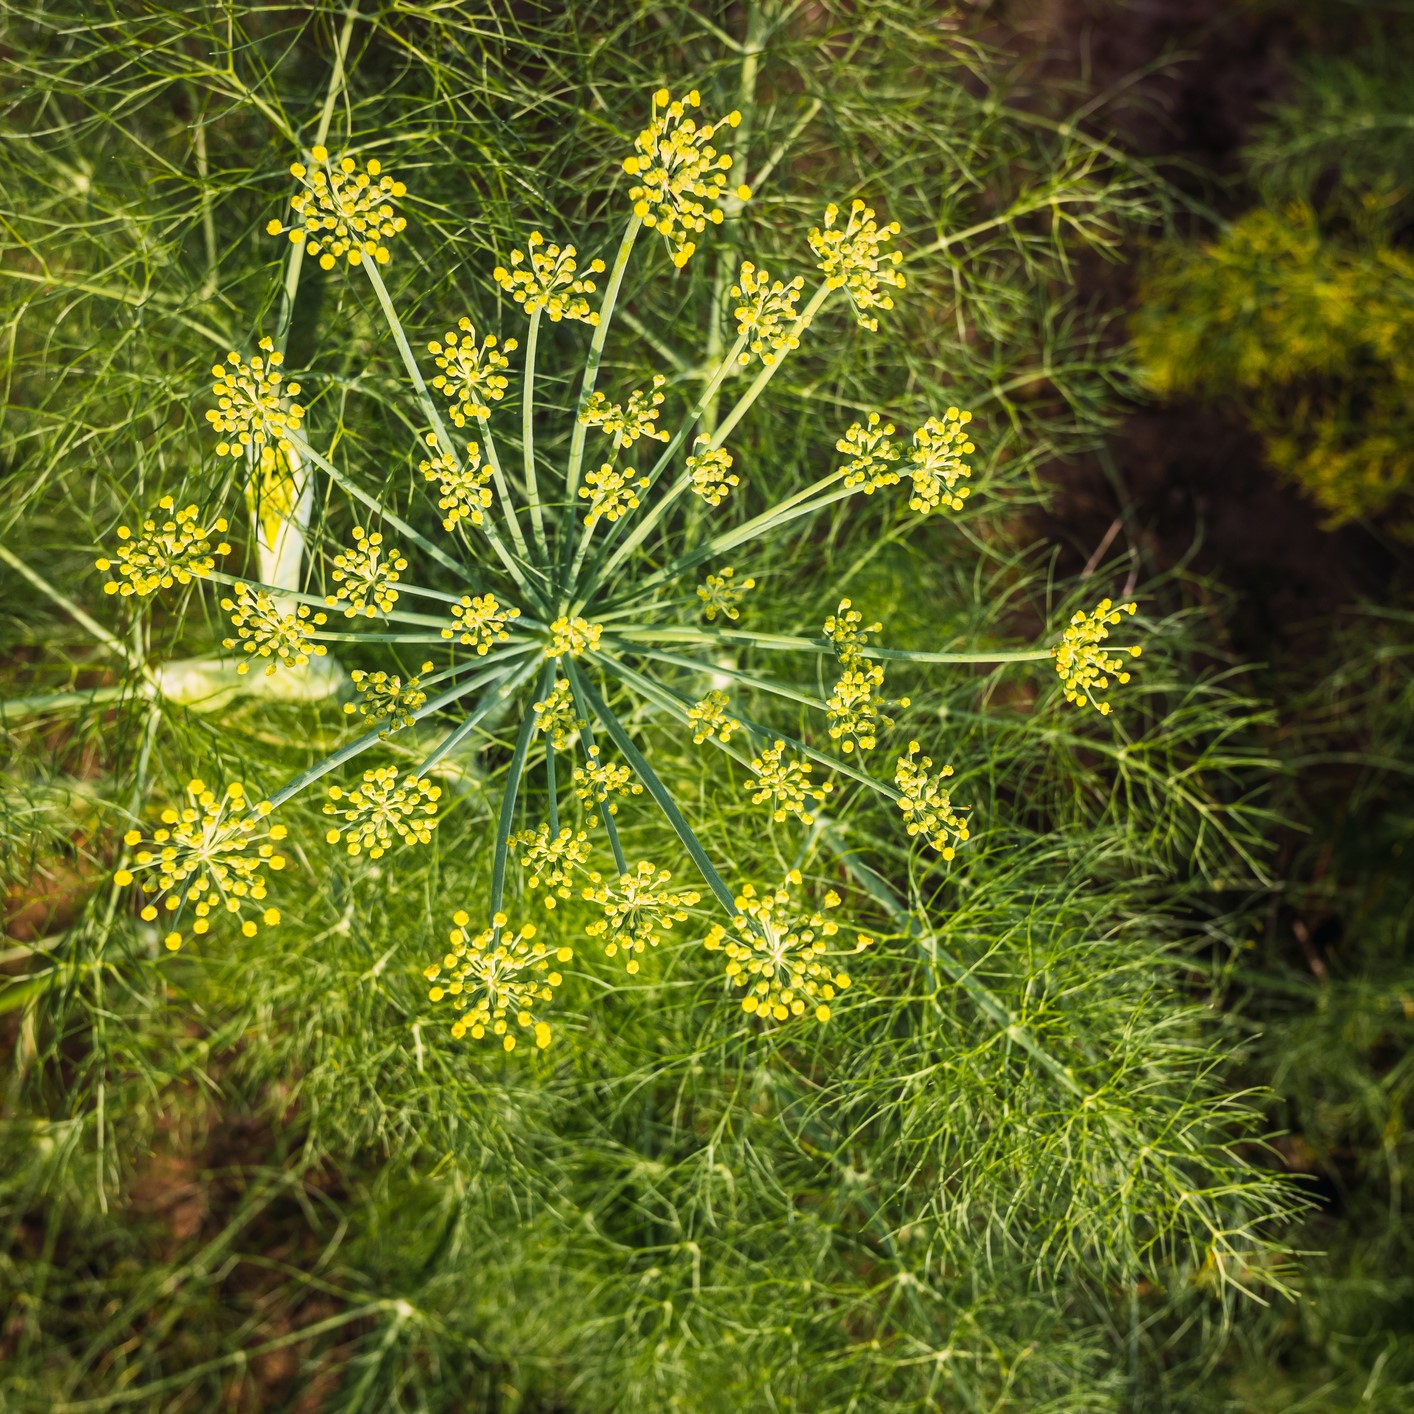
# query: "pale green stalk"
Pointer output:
{"type": "Point", "coordinates": [527, 434]}
{"type": "Point", "coordinates": [581, 703]}
{"type": "Point", "coordinates": [509, 792]}
{"type": "Point", "coordinates": [400, 616]}
{"type": "Point", "coordinates": [508, 684]}
{"type": "Point", "coordinates": [789, 644]}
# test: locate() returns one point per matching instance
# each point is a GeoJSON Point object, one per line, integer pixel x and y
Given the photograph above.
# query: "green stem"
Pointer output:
{"type": "Point", "coordinates": [587, 739]}
{"type": "Point", "coordinates": [527, 435]}
{"type": "Point", "coordinates": [508, 795]}
{"type": "Point", "coordinates": [322, 600]}
{"type": "Point", "coordinates": [508, 684]}
{"type": "Point", "coordinates": [786, 643]}
{"type": "Point", "coordinates": [503, 488]}
{"type": "Point", "coordinates": [551, 791]}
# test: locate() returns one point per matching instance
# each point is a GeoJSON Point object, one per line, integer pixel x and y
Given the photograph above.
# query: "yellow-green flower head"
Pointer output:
{"type": "Point", "coordinates": [597, 781]}
{"type": "Point", "coordinates": [550, 861]}
{"type": "Point", "coordinates": [379, 808]}
{"type": "Point", "coordinates": [342, 212]}
{"type": "Point", "coordinates": [638, 909]}
{"type": "Point", "coordinates": [264, 630]}
{"type": "Point", "coordinates": [208, 858]}
{"type": "Point", "coordinates": [681, 179]}
{"type": "Point", "coordinates": [174, 550]}
{"type": "Point", "coordinates": [937, 462]}
{"type": "Point", "coordinates": [710, 719]}
{"type": "Point", "coordinates": [496, 978]}
{"type": "Point", "coordinates": [465, 488]}
{"type": "Point", "coordinates": [711, 471]}
{"type": "Point", "coordinates": [1083, 663]}
{"type": "Point", "coordinates": [856, 708]}
{"type": "Point", "coordinates": [251, 409]}
{"type": "Point", "coordinates": [927, 807]}
{"type": "Point", "coordinates": [480, 622]}
{"type": "Point", "coordinates": [546, 279]}
{"type": "Point", "coordinates": [471, 373]}
{"type": "Point", "coordinates": [556, 716]}
{"type": "Point", "coordinates": [574, 637]}
{"type": "Point", "coordinates": [720, 594]}
{"type": "Point", "coordinates": [852, 258]}
{"type": "Point", "coordinates": [847, 632]}
{"type": "Point", "coordinates": [366, 575]}
{"type": "Point", "coordinates": [612, 492]}
{"type": "Point", "coordinates": [786, 784]}
{"type": "Point", "coordinates": [776, 952]}
{"type": "Point", "coordinates": [871, 455]}
{"type": "Point", "coordinates": [627, 423]}
{"type": "Point", "coordinates": [385, 696]}
{"type": "Point", "coordinates": [766, 313]}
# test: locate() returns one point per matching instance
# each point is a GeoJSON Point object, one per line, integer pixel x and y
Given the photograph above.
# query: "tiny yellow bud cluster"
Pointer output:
{"type": "Point", "coordinates": [710, 719]}
{"type": "Point", "coordinates": [549, 282]}
{"type": "Point", "coordinates": [786, 785]}
{"type": "Point", "coordinates": [174, 550]}
{"type": "Point", "coordinates": [480, 622]}
{"type": "Point", "coordinates": [845, 631]}
{"type": "Point", "coordinates": [366, 575]}
{"type": "Point", "coordinates": [551, 861]}
{"type": "Point", "coordinates": [379, 808]}
{"type": "Point", "coordinates": [776, 953]}
{"type": "Point", "coordinates": [871, 455]}
{"type": "Point", "coordinates": [766, 313]}
{"type": "Point", "coordinates": [681, 178]}
{"type": "Point", "coordinates": [264, 631]}
{"type": "Point", "coordinates": [851, 259]}
{"type": "Point", "coordinates": [927, 807]}
{"type": "Point", "coordinates": [495, 977]}
{"type": "Point", "coordinates": [251, 409]}
{"type": "Point", "coordinates": [596, 781]}
{"type": "Point", "coordinates": [637, 910]}
{"type": "Point", "coordinates": [711, 472]}
{"type": "Point", "coordinates": [628, 422]}
{"type": "Point", "coordinates": [937, 457]}
{"type": "Point", "coordinates": [574, 637]}
{"type": "Point", "coordinates": [386, 696]}
{"type": "Point", "coordinates": [465, 489]}
{"type": "Point", "coordinates": [557, 717]}
{"type": "Point", "coordinates": [342, 212]}
{"type": "Point", "coordinates": [856, 708]}
{"type": "Point", "coordinates": [209, 855]}
{"type": "Point", "coordinates": [720, 595]}
{"type": "Point", "coordinates": [471, 373]}
{"type": "Point", "coordinates": [1083, 664]}
{"type": "Point", "coordinates": [612, 492]}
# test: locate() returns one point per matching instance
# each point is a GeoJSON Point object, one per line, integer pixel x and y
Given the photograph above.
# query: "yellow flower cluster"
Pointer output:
{"type": "Point", "coordinates": [612, 492]}
{"type": "Point", "coordinates": [471, 373]}
{"type": "Point", "coordinates": [386, 695]}
{"type": "Point", "coordinates": [573, 636]}
{"type": "Point", "coordinates": [856, 707]}
{"type": "Point", "coordinates": [251, 409]}
{"type": "Point", "coordinates": [844, 630]}
{"type": "Point", "coordinates": [787, 785]}
{"type": "Point", "coordinates": [210, 855]}
{"type": "Point", "coordinates": [343, 212]}
{"type": "Point", "coordinates": [264, 631]}
{"type": "Point", "coordinates": [175, 550]}
{"type": "Point", "coordinates": [1083, 664]}
{"type": "Point", "coordinates": [557, 717]}
{"type": "Point", "coordinates": [465, 489]}
{"type": "Point", "coordinates": [680, 177]}
{"type": "Point", "coordinates": [766, 312]}
{"type": "Point", "coordinates": [711, 471]}
{"type": "Point", "coordinates": [596, 781]}
{"type": "Point", "coordinates": [852, 259]}
{"type": "Point", "coordinates": [777, 953]}
{"type": "Point", "coordinates": [379, 808]}
{"type": "Point", "coordinates": [549, 281]}
{"type": "Point", "coordinates": [927, 807]}
{"type": "Point", "coordinates": [721, 595]}
{"type": "Point", "coordinates": [628, 422]}
{"type": "Point", "coordinates": [494, 977]}
{"type": "Point", "coordinates": [710, 719]}
{"type": "Point", "coordinates": [551, 861]}
{"type": "Point", "coordinates": [871, 455]}
{"type": "Point", "coordinates": [937, 462]}
{"type": "Point", "coordinates": [480, 622]}
{"type": "Point", "coordinates": [637, 910]}
{"type": "Point", "coordinates": [366, 573]}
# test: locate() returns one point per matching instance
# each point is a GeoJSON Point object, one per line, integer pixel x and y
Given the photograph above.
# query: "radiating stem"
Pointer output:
{"type": "Point", "coordinates": [508, 795]}
{"type": "Point", "coordinates": [786, 643]}
{"type": "Point", "coordinates": [581, 704]}
{"type": "Point", "coordinates": [527, 435]}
